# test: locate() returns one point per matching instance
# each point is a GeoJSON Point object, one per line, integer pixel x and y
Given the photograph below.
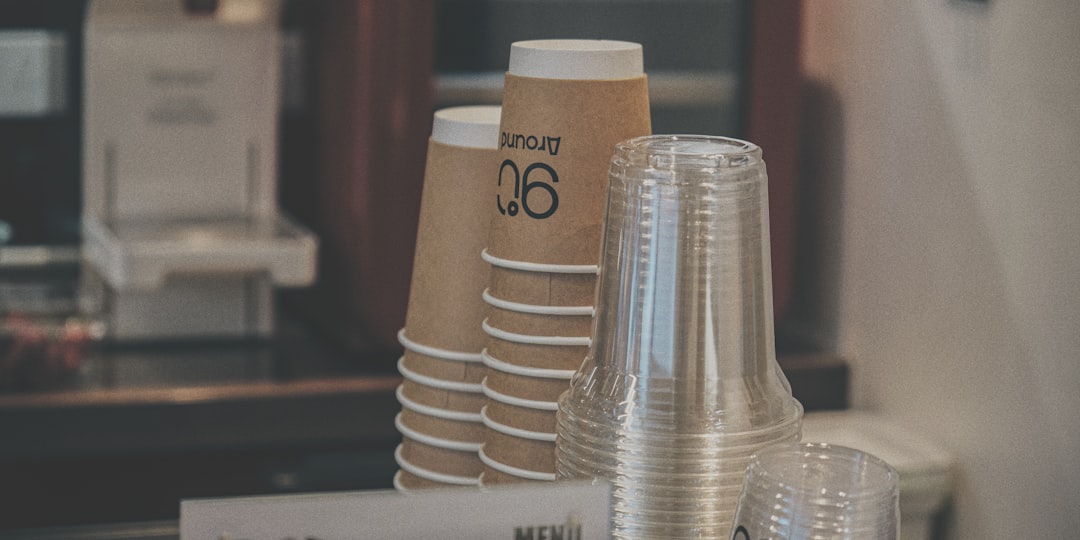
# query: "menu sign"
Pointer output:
{"type": "Point", "coordinates": [562, 511]}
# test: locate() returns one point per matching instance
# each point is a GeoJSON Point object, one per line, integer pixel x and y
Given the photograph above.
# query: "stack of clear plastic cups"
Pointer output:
{"type": "Point", "coordinates": [441, 396]}
{"type": "Point", "coordinates": [681, 385]}
{"type": "Point", "coordinates": [818, 492]}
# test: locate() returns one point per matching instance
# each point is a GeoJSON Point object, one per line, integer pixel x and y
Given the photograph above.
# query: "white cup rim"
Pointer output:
{"type": "Point", "coordinates": [525, 371]}
{"type": "Point", "coordinates": [534, 404]}
{"type": "Point", "coordinates": [515, 471]}
{"type": "Point", "coordinates": [515, 432]}
{"type": "Point", "coordinates": [445, 414]}
{"type": "Point", "coordinates": [436, 352]}
{"type": "Point", "coordinates": [576, 59]}
{"type": "Point", "coordinates": [539, 267]}
{"type": "Point", "coordinates": [431, 440]}
{"type": "Point", "coordinates": [433, 475]}
{"type": "Point", "coordinates": [528, 339]}
{"type": "Point", "coordinates": [397, 483]}
{"type": "Point", "coordinates": [534, 309]}
{"type": "Point", "coordinates": [456, 386]}
{"type": "Point", "coordinates": [470, 126]}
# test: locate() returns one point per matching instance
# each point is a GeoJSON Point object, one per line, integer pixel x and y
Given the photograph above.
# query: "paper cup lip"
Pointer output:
{"type": "Point", "coordinates": [570, 341]}
{"type": "Point", "coordinates": [473, 126]}
{"type": "Point", "coordinates": [539, 267]}
{"type": "Point", "coordinates": [534, 309]}
{"type": "Point", "coordinates": [537, 405]}
{"type": "Point", "coordinates": [435, 352]}
{"type": "Point", "coordinates": [526, 371]}
{"type": "Point", "coordinates": [576, 59]}
{"type": "Point", "coordinates": [456, 386]}
{"type": "Point", "coordinates": [515, 432]}
{"type": "Point", "coordinates": [430, 440]}
{"type": "Point", "coordinates": [432, 475]}
{"type": "Point", "coordinates": [398, 486]}
{"type": "Point", "coordinates": [445, 414]}
{"type": "Point", "coordinates": [514, 471]}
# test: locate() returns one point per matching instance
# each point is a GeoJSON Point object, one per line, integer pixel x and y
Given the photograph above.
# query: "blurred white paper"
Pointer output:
{"type": "Point", "coordinates": [566, 511]}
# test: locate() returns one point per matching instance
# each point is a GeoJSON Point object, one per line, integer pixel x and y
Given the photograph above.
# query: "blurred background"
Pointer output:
{"type": "Point", "coordinates": [923, 192]}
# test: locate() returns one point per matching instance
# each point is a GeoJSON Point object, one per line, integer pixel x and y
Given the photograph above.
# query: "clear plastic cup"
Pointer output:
{"type": "Point", "coordinates": [681, 385]}
{"type": "Point", "coordinates": [818, 491]}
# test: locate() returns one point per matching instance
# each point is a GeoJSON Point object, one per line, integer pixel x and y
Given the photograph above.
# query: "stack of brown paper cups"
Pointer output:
{"type": "Point", "coordinates": [441, 394]}
{"type": "Point", "coordinates": [566, 103]}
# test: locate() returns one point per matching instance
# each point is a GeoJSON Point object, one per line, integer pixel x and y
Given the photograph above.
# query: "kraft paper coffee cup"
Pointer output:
{"type": "Point", "coordinates": [519, 452]}
{"type": "Point", "coordinates": [494, 477]}
{"type": "Point", "coordinates": [444, 309]}
{"type": "Point", "coordinates": [566, 103]}
{"type": "Point", "coordinates": [509, 474]}
{"type": "Point", "coordinates": [407, 481]}
{"type": "Point", "coordinates": [418, 364]}
{"type": "Point", "coordinates": [420, 397]}
{"type": "Point", "coordinates": [538, 356]}
{"type": "Point", "coordinates": [464, 463]}
{"type": "Point", "coordinates": [526, 387]}
{"type": "Point", "coordinates": [542, 285]}
{"type": "Point", "coordinates": [539, 420]}
{"type": "Point", "coordinates": [432, 476]}
{"type": "Point", "coordinates": [542, 352]}
{"type": "Point", "coordinates": [415, 425]}
{"type": "Point", "coordinates": [539, 320]}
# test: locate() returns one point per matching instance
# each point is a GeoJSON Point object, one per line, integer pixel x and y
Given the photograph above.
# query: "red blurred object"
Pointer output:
{"type": "Point", "coordinates": [374, 95]}
{"type": "Point", "coordinates": [35, 352]}
{"type": "Point", "coordinates": [773, 98]}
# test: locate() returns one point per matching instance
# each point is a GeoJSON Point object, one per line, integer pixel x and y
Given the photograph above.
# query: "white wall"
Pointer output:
{"type": "Point", "coordinates": [954, 170]}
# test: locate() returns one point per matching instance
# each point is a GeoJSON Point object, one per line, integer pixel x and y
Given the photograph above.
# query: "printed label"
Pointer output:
{"type": "Point", "coordinates": [533, 190]}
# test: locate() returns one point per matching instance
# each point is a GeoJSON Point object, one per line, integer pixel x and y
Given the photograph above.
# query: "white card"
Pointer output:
{"type": "Point", "coordinates": [558, 511]}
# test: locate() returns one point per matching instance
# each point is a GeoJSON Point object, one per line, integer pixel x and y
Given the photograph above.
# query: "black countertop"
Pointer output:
{"type": "Point", "coordinates": [138, 428]}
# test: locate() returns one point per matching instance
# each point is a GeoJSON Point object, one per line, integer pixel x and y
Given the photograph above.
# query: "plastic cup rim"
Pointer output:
{"type": "Point", "coordinates": [880, 491]}
{"type": "Point", "coordinates": [539, 267]}
{"type": "Point", "coordinates": [434, 476]}
{"type": "Point", "coordinates": [445, 414]}
{"type": "Point", "coordinates": [740, 447]}
{"type": "Point", "coordinates": [436, 352]}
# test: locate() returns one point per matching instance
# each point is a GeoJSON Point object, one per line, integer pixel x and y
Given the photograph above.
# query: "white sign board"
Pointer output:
{"type": "Point", "coordinates": [559, 511]}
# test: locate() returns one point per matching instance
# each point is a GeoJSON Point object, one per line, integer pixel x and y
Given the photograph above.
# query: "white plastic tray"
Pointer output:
{"type": "Point", "coordinates": [140, 254]}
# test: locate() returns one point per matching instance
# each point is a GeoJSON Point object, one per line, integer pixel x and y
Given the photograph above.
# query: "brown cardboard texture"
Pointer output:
{"type": "Point", "coordinates": [520, 322]}
{"type": "Point", "coordinates": [441, 460]}
{"type": "Point", "coordinates": [494, 477]}
{"type": "Point", "coordinates": [410, 481]}
{"type": "Point", "coordinates": [451, 400]}
{"type": "Point", "coordinates": [537, 356]}
{"type": "Point", "coordinates": [445, 304]}
{"type": "Point", "coordinates": [556, 139]}
{"type": "Point", "coordinates": [442, 369]}
{"type": "Point", "coordinates": [538, 420]}
{"type": "Point", "coordinates": [543, 288]}
{"type": "Point", "coordinates": [454, 430]}
{"type": "Point", "coordinates": [525, 387]}
{"type": "Point", "coordinates": [528, 454]}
